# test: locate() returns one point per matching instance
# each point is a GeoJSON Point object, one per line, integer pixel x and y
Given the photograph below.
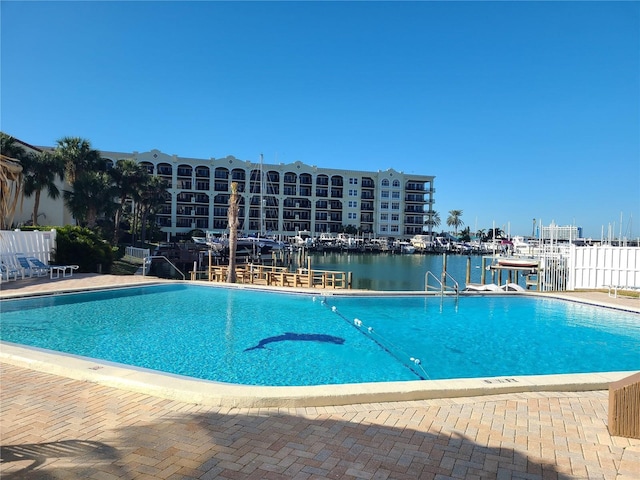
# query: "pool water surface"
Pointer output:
{"type": "Point", "coordinates": [263, 338]}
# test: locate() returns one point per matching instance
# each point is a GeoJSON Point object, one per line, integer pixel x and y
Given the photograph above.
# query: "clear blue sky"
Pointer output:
{"type": "Point", "coordinates": [521, 110]}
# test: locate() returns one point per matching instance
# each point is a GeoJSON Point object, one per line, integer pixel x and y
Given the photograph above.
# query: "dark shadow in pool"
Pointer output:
{"type": "Point", "coordinates": [297, 337]}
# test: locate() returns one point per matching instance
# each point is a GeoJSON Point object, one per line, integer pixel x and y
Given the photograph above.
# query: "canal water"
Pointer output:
{"type": "Point", "coordinates": [396, 272]}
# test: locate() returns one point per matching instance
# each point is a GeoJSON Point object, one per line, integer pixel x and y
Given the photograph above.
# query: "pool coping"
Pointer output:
{"type": "Point", "coordinates": [211, 393]}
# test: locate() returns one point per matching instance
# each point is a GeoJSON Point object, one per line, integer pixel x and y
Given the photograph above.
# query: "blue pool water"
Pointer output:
{"type": "Point", "coordinates": [263, 338]}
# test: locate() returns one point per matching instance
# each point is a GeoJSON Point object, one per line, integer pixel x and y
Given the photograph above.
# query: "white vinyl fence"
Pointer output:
{"type": "Point", "coordinates": [137, 254]}
{"type": "Point", "coordinates": [604, 266]}
{"type": "Point", "coordinates": [31, 244]}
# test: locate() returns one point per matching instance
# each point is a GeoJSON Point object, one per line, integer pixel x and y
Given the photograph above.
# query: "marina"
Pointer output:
{"type": "Point", "coordinates": [503, 264]}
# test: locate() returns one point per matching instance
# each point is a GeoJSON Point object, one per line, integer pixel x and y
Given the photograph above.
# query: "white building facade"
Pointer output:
{"type": "Point", "coordinates": [278, 200]}
{"type": "Point", "coordinates": [283, 199]}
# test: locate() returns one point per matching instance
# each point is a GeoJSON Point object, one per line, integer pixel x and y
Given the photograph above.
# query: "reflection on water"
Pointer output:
{"type": "Point", "coordinates": [393, 272]}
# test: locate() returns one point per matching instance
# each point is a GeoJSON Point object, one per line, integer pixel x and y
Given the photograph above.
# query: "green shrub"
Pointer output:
{"type": "Point", "coordinates": [81, 246]}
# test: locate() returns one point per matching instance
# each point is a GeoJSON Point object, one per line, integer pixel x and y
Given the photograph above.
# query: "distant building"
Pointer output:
{"type": "Point", "coordinates": [51, 212]}
{"type": "Point", "coordinates": [286, 198]}
{"type": "Point", "coordinates": [282, 199]}
{"type": "Point", "coordinates": [568, 233]}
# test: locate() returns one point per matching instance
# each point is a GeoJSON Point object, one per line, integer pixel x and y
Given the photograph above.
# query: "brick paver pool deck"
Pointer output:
{"type": "Point", "coordinates": [55, 427]}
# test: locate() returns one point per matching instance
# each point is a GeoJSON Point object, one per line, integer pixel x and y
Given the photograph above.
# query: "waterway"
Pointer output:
{"type": "Point", "coordinates": [396, 272]}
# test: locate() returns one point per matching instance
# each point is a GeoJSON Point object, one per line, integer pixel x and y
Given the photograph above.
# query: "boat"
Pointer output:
{"type": "Point", "coordinates": [348, 242]}
{"type": "Point", "coordinates": [401, 246]}
{"type": "Point", "coordinates": [421, 242]}
{"type": "Point", "coordinates": [303, 239]}
{"type": "Point", "coordinates": [262, 245]}
{"type": "Point", "coordinates": [518, 262]}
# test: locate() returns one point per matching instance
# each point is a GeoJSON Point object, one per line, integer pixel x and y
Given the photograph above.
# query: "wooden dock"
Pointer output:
{"type": "Point", "coordinates": [251, 274]}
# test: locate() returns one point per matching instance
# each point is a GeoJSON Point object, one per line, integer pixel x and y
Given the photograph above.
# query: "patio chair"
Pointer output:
{"type": "Point", "coordinates": [54, 270]}
{"type": "Point", "coordinates": [8, 271]}
{"type": "Point", "coordinates": [30, 269]}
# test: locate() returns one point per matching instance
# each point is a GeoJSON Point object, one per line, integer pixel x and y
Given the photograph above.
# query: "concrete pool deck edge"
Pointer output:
{"type": "Point", "coordinates": [203, 392]}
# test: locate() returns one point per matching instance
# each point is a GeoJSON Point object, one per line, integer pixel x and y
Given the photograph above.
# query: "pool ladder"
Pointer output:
{"type": "Point", "coordinates": [441, 286]}
{"type": "Point", "coordinates": [146, 266]}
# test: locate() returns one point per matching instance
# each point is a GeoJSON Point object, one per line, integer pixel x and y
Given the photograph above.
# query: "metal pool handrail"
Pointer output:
{"type": "Point", "coordinates": [147, 261]}
{"type": "Point", "coordinates": [442, 286]}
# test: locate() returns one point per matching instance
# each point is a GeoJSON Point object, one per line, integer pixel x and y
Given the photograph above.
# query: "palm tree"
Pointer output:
{"type": "Point", "coordinates": [465, 234]}
{"type": "Point", "coordinates": [128, 177]}
{"type": "Point", "coordinates": [480, 234]}
{"type": "Point", "coordinates": [9, 147]}
{"type": "Point", "coordinates": [78, 157]}
{"type": "Point", "coordinates": [433, 220]}
{"type": "Point", "coordinates": [454, 220]}
{"type": "Point", "coordinates": [92, 195]}
{"type": "Point", "coordinates": [11, 154]}
{"type": "Point", "coordinates": [495, 233]}
{"type": "Point", "coordinates": [40, 173]}
{"type": "Point", "coordinates": [232, 214]}
{"type": "Point", "coordinates": [151, 197]}
{"type": "Point", "coordinates": [92, 189]}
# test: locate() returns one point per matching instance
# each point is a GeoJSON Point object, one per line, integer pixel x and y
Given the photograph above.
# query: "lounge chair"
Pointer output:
{"type": "Point", "coordinates": [475, 287]}
{"type": "Point", "coordinates": [8, 271]}
{"type": "Point", "coordinates": [511, 287]}
{"type": "Point", "coordinates": [54, 270]}
{"type": "Point", "coordinates": [31, 270]}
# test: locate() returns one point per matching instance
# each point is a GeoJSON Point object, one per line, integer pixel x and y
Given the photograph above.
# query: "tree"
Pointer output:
{"type": "Point", "coordinates": [92, 190]}
{"type": "Point", "coordinates": [454, 220]}
{"type": "Point", "coordinates": [92, 195]}
{"type": "Point", "coordinates": [78, 157]}
{"type": "Point", "coordinates": [481, 235]}
{"type": "Point", "coordinates": [465, 234]}
{"type": "Point", "coordinates": [40, 173]}
{"type": "Point", "coordinates": [129, 177]}
{"type": "Point", "coordinates": [494, 233]}
{"type": "Point", "coordinates": [11, 178]}
{"type": "Point", "coordinates": [234, 223]}
{"type": "Point", "coordinates": [433, 220]}
{"type": "Point", "coordinates": [151, 197]}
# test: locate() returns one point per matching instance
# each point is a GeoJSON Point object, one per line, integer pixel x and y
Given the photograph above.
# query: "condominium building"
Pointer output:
{"type": "Point", "coordinates": [284, 199]}
{"type": "Point", "coordinates": [278, 200]}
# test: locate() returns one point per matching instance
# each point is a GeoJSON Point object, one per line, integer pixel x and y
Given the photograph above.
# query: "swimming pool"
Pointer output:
{"type": "Point", "coordinates": [265, 338]}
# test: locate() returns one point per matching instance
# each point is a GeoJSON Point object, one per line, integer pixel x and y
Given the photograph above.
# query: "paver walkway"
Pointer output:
{"type": "Point", "coordinates": [53, 427]}
{"type": "Point", "coordinates": [56, 428]}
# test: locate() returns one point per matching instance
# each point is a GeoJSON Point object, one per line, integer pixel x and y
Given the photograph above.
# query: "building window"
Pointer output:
{"type": "Point", "coordinates": [384, 193]}
{"type": "Point", "coordinates": [353, 181]}
{"type": "Point", "coordinates": [384, 217]}
{"type": "Point", "coordinates": [353, 204]}
{"type": "Point", "coordinates": [394, 229]}
{"type": "Point", "coordinates": [385, 183]}
{"type": "Point", "coordinates": [395, 195]}
{"type": "Point", "coordinates": [384, 205]}
{"type": "Point", "coordinates": [395, 217]}
{"type": "Point", "coordinates": [396, 183]}
{"type": "Point", "coordinates": [395, 206]}
{"type": "Point", "coordinates": [384, 228]}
